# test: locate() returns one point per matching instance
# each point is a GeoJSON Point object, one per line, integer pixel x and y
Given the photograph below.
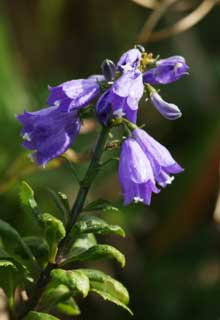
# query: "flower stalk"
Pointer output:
{"type": "Point", "coordinates": [85, 185]}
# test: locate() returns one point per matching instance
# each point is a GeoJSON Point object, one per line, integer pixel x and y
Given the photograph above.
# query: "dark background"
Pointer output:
{"type": "Point", "coordinates": [173, 246]}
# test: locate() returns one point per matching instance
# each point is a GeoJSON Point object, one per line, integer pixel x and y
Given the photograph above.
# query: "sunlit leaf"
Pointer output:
{"type": "Point", "coordinates": [53, 295]}
{"type": "Point", "coordinates": [99, 251]}
{"type": "Point", "coordinates": [33, 315]}
{"type": "Point", "coordinates": [75, 280]}
{"type": "Point", "coordinates": [69, 307]}
{"type": "Point", "coordinates": [108, 288]}
{"type": "Point", "coordinates": [92, 224]}
{"type": "Point", "coordinates": [54, 232]}
{"type": "Point", "coordinates": [100, 204]}
{"type": "Point", "coordinates": [28, 201]}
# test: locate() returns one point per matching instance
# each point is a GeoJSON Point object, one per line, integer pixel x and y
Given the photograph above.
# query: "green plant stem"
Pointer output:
{"type": "Point", "coordinates": [85, 185]}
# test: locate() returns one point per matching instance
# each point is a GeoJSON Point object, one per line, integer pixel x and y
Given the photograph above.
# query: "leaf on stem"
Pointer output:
{"type": "Point", "coordinates": [93, 224]}
{"type": "Point", "coordinates": [100, 204]}
{"type": "Point", "coordinates": [33, 315]}
{"type": "Point", "coordinates": [108, 288]}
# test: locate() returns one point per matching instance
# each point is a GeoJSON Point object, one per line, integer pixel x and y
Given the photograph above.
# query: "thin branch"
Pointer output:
{"type": "Point", "coordinates": [153, 20]}
{"type": "Point", "coordinates": [185, 23]}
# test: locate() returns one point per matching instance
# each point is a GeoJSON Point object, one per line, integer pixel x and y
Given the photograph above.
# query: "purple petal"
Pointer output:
{"type": "Point", "coordinates": [49, 132]}
{"type": "Point", "coordinates": [169, 110]}
{"type": "Point", "coordinates": [167, 71]}
{"type": "Point", "coordinates": [74, 94]}
{"type": "Point", "coordinates": [135, 173]}
{"type": "Point", "coordinates": [130, 60]}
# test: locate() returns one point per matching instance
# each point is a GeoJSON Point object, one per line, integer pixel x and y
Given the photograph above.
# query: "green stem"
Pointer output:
{"type": "Point", "coordinates": [85, 185]}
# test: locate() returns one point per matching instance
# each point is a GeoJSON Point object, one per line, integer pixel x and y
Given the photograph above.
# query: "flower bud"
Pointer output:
{"type": "Point", "coordinates": [108, 69]}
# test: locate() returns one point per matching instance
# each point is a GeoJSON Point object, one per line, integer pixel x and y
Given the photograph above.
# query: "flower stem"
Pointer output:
{"type": "Point", "coordinates": [85, 185]}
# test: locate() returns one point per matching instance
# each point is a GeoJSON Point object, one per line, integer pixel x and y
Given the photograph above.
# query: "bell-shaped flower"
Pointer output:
{"type": "Point", "coordinates": [130, 60]}
{"type": "Point", "coordinates": [166, 71]}
{"type": "Point", "coordinates": [169, 110]}
{"type": "Point", "coordinates": [135, 173]}
{"type": "Point", "coordinates": [48, 132]}
{"type": "Point", "coordinates": [122, 98]}
{"type": "Point", "coordinates": [75, 94]}
{"type": "Point", "coordinates": [162, 163]}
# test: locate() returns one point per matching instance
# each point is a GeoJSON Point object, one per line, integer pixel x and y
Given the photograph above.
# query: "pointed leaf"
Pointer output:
{"type": "Point", "coordinates": [108, 288]}
{"type": "Point", "coordinates": [8, 232]}
{"type": "Point", "coordinates": [100, 204]}
{"type": "Point", "coordinates": [62, 204]}
{"type": "Point", "coordinates": [69, 307]}
{"type": "Point", "coordinates": [99, 251]}
{"type": "Point", "coordinates": [27, 199]}
{"type": "Point", "coordinates": [33, 315]}
{"type": "Point", "coordinates": [53, 295]}
{"type": "Point", "coordinates": [93, 224]}
{"type": "Point", "coordinates": [54, 232]}
{"type": "Point", "coordinates": [77, 281]}
{"type": "Point", "coordinates": [83, 243]}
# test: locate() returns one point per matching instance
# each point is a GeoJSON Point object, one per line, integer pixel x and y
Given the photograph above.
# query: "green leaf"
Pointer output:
{"type": "Point", "coordinates": [33, 315]}
{"type": "Point", "coordinates": [8, 232]}
{"type": "Point", "coordinates": [8, 278]}
{"type": "Point", "coordinates": [108, 288]}
{"type": "Point", "coordinates": [37, 245]}
{"type": "Point", "coordinates": [92, 224]}
{"type": "Point", "coordinates": [99, 251]}
{"type": "Point", "coordinates": [69, 307]}
{"type": "Point", "coordinates": [53, 295]}
{"type": "Point", "coordinates": [54, 232]}
{"type": "Point", "coordinates": [23, 271]}
{"type": "Point", "coordinates": [75, 280]}
{"type": "Point", "coordinates": [62, 204]}
{"type": "Point", "coordinates": [100, 204]}
{"type": "Point", "coordinates": [28, 201]}
{"type": "Point", "coordinates": [83, 243]}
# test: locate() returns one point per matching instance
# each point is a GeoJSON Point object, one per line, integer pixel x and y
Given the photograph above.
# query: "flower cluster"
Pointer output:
{"type": "Point", "coordinates": [145, 165]}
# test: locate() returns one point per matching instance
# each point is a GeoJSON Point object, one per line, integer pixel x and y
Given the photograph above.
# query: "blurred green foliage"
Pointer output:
{"type": "Point", "coordinates": [173, 247]}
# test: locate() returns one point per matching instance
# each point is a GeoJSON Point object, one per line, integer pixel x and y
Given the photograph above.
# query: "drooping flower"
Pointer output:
{"type": "Point", "coordinates": [122, 98]}
{"type": "Point", "coordinates": [135, 174]}
{"type": "Point", "coordinates": [130, 60]}
{"type": "Point", "coordinates": [162, 163]}
{"type": "Point", "coordinates": [49, 132]}
{"type": "Point", "coordinates": [166, 71]}
{"type": "Point", "coordinates": [75, 94]}
{"type": "Point", "coordinates": [169, 110]}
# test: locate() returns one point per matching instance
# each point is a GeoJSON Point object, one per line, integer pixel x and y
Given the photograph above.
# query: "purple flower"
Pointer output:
{"type": "Point", "coordinates": [167, 71]}
{"type": "Point", "coordinates": [130, 60]}
{"type": "Point", "coordinates": [169, 110]}
{"type": "Point", "coordinates": [74, 94]}
{"type": "Point", "coordinates": [162, 163]}
{"type": "Point", "coordinates": [49, 132]}
{"type": "Point", "coordinates": [122, 98]}
{"type": "Point", "coordinates": [135, 174]}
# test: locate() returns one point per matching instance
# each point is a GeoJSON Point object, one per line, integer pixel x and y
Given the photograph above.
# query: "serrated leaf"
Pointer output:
{"type": "Point", "coordinates": [108, 288]}
{"type": "Point", "coordinates": [93, 224]}
{"type": "Point", "coordinates": [100, 204]}
{"type": "Point", "coordinates": [62, 204]}
{"type": "Point", "coordinates": [99, 251]}
{"type": "Point", "coordinates": [69, 307]}
{"type": "Point", "coordinates": [8, 232]}
{"type": "Point", "coordinates": [53, 295]}
{"type": "Point", "coordinates": [54, 232]}
{"type": "Point", "coordinates": [75, 280]}
{"type": "Point", "coordinates": [28, 201]}
{"type": "Point", "coordinates": [33, 315]}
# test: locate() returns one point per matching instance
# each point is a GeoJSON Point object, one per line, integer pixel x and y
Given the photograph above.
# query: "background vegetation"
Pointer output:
{"type": "Point", "coordinates": [173, 247]}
